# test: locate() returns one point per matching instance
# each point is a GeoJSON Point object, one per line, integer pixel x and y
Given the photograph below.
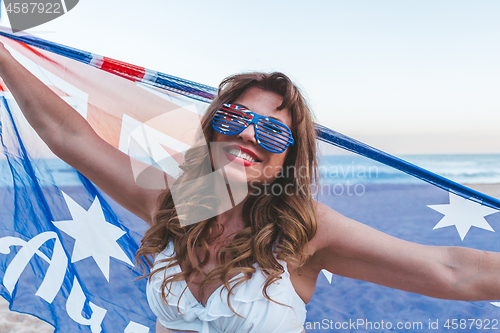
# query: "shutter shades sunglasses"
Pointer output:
{"type": "Point", "coordinates": [271, 134]}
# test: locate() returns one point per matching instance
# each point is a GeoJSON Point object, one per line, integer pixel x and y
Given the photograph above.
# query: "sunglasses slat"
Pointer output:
{"type": "Point", "coordinates": [279, 131]}
{"type": "Point", "coordinates": [237, 114]}
{"type": "Point", "coordinates": [233, 119]}
{"type": "Point", "coordinates": [228, 127]}
{"type": "Point", "coordinates": [268, 137]}
{"type": "Point", "coordinates": [273, 142]}
{"type": "Point", "coordinates": [230, 121]}
{"type": "Point", "coordinates": [275, 137]}
{"type": "Point", "coordinates": [272, 148]}
{"type": "Point", "coordinates": [230, 117]}
{"type": "Point", "coordinates": [273, 126]}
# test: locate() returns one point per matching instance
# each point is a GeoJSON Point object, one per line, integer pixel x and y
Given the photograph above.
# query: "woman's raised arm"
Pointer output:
{"type": "Point", "coordinates": [349, 248]}
{"type": "Point", "coordinates": [72, 139]}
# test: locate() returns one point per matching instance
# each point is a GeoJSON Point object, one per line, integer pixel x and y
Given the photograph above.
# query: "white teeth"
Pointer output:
{"type": "Point", "coordinates": [240, 154]}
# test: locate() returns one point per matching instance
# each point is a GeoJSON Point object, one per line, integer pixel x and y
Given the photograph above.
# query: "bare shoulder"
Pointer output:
{"type": "Point", "coordinates": [339, 237]}
{"type": "Point", "coordinates": [304, 274]}
{"type": "Point", "coordinates": [330, 223]}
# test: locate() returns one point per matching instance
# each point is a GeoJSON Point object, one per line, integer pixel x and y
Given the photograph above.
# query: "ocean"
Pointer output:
{"type": "Point", "coordinates": [464, 169]}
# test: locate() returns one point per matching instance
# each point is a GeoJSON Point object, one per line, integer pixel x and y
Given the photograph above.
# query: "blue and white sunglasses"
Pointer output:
{"type": "Point", "coordinates": [270, 134]}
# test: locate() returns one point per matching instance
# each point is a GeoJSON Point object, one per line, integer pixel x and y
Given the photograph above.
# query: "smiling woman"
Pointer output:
{"type": "Point", "coordinates": [255, 244]}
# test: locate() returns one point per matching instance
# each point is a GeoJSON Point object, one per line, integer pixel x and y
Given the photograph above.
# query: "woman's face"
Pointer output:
{"type": "Point", "coordinates": [251, 163]}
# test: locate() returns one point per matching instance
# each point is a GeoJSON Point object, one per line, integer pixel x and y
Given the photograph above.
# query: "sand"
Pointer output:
{"type": "Point", "coordinates": [492, 190]}
{"type": "Point", "coordinates": [13, 322]}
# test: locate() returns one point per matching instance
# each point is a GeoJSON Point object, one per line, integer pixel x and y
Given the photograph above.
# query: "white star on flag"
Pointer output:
{"type": "Point", "coordinates": [94, 237]}
{"type": "Point", "coordinates": [463, 214]}
{"type": "Point", "coordinates": [328, 275]}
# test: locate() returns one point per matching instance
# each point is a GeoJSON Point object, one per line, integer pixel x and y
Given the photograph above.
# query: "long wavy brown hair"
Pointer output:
{"type": "Point", "coordinates": [275, 227]}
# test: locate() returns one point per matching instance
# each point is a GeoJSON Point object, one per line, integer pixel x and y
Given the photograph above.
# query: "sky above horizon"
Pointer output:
{"type": "Point", "coordinates": [405, 77]}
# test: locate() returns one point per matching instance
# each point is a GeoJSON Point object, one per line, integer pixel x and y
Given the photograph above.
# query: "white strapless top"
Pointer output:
{"type": "Point", "coordinates": [260, 315]}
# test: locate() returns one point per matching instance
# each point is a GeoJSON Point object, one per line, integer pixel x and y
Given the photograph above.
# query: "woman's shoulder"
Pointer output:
{"type": "Point", "coordinates": [336, 236]}
{"type": "Point", "coordinates": [304, 269]}
{"type": "Point", "coordinates": [328, 221]}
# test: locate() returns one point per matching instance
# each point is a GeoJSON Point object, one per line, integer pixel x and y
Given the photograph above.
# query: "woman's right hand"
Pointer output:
{"type": "Point", "coordinates": [2, 48]}
{"type": "Point", "coordinates": [72, 139]}
{"type": "Point", "coordinates": [5, 56]}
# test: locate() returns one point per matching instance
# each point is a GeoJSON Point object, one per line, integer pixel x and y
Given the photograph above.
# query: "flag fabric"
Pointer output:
{"type": "Point", "coordinates": [67, 250]}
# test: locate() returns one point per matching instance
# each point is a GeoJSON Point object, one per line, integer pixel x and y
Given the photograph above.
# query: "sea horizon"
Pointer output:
{"type": "Point", "coordinates": [334, 168]}
{"type": "Point", "coordinates": [460, 168]}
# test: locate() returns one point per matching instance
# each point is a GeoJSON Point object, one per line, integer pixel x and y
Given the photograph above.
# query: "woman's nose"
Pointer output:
{"type": "Point", "coordinates": [248, 134]}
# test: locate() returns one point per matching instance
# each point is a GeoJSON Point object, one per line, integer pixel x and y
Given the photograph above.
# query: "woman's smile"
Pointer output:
{"type": "Point", "coordinates": [240, 155]}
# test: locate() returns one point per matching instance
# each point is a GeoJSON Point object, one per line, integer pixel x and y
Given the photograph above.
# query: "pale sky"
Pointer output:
{"type": "Point", "coordinates": [405, 76]}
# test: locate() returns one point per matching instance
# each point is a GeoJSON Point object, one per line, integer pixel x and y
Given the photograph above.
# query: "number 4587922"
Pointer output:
{"type": "Point", "coordinates": [34, 7]}
{"type": "Point", "coordinates": [485, 324]}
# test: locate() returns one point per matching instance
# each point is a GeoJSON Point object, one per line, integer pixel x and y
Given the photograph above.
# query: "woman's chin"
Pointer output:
{"type": "Point", "coordinates": [233, 175]}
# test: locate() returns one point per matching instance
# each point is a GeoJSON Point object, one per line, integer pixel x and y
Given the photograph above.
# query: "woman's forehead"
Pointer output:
{"type": "Point", "coordinates": [265, 103]}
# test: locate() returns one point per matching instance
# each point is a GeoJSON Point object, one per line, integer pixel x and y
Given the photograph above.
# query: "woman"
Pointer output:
{"type": "Point", "coordinates": [253, 267]}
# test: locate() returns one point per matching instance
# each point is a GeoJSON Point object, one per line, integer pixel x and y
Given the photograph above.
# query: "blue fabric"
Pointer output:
{"type": "Point", "coordinates": [400, 210]}
{"type": "Point", "coordinates": [31, 200]}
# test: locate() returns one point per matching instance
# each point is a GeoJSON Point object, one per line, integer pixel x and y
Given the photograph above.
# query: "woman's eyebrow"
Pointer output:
{"type": "Point", "coordinates": [243, 106]}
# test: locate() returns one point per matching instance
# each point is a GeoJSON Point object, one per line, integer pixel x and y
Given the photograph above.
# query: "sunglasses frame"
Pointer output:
{"type": "Point", "coordinates": [262, 129]}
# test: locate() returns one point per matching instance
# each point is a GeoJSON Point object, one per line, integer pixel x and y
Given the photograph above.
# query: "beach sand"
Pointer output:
{"type": "Point", "coordinates": [493, 190]}
{"type": "Point", "coordinates": [13, 322]}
